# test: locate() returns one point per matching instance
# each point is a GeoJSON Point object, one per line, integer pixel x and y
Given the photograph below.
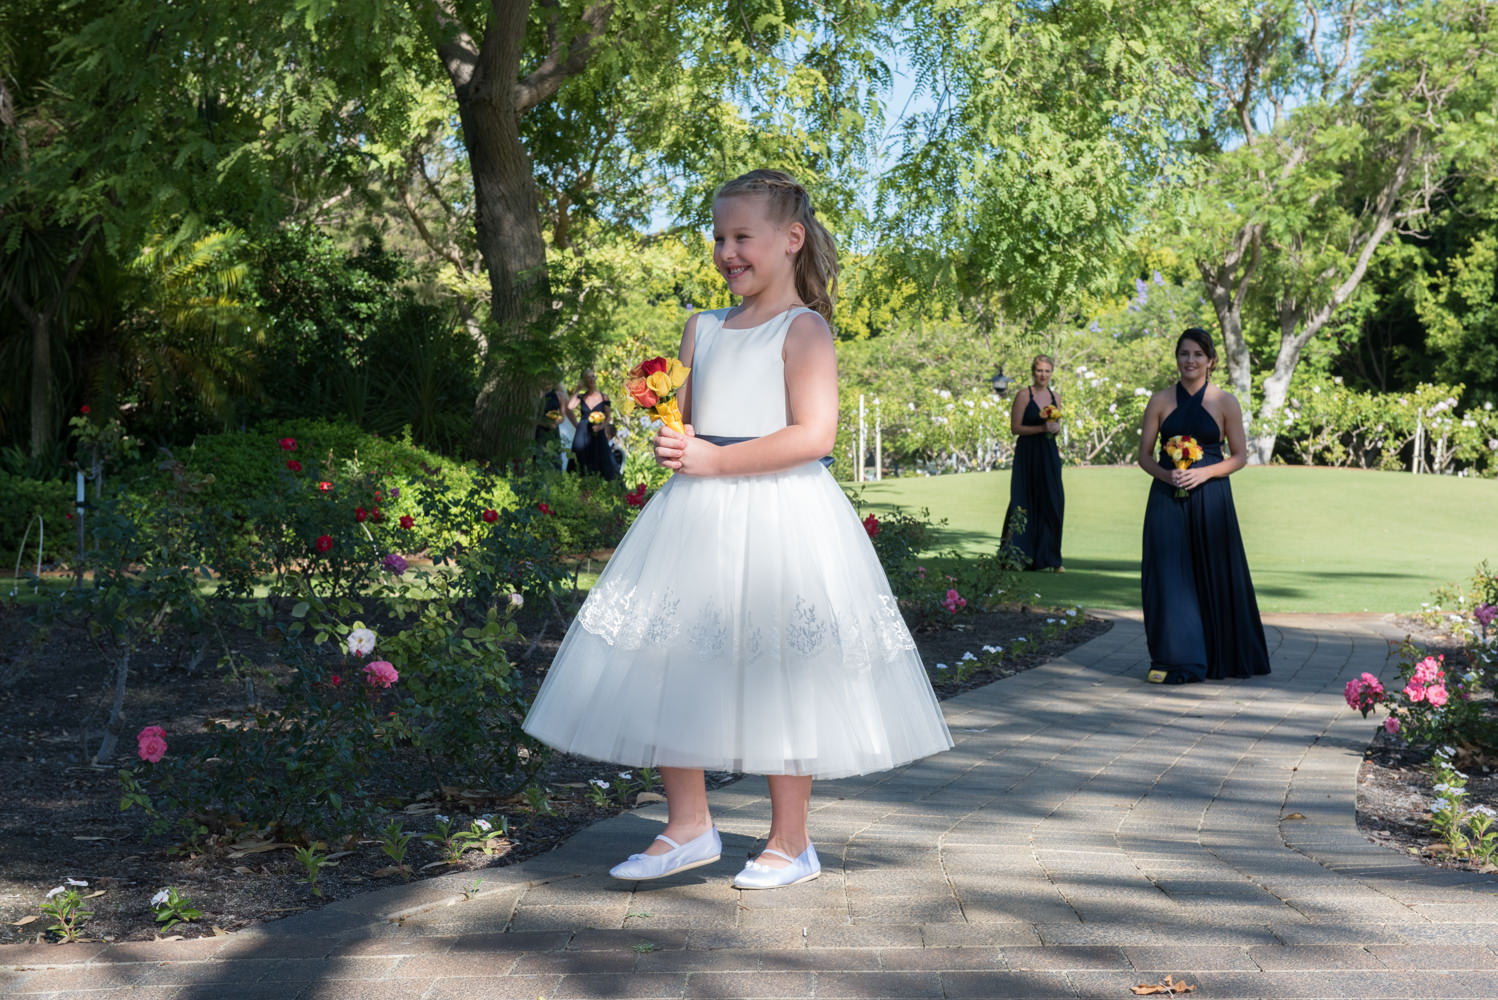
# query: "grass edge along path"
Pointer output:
{"type": "Point", "coordinates": [1318, 539]}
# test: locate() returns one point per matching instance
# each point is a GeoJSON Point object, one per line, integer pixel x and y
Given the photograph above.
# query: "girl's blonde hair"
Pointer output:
{"type": "Point", "coordinates": [816, 261]}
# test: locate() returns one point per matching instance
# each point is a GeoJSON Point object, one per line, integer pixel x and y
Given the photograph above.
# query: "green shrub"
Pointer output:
{"type": "Point", "coordinates": [26, 500]}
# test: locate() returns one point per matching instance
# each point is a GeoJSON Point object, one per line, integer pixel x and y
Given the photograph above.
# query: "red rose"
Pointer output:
{"type": "Point", "coordinates": [83, 409]}
{"type": "Point", "coordinates": [323, 543]}
{"type": "Point", "coordinates": [377, 515]}
{"type": "Point", "coordinates": [335, 680]}
{"type": "Point", "coordinates": [544, 507]}
{"type": "Point", "coordinates": [288, 444]}
{"type": "Point", "coordinates": [871, 525]}
{"type": "Point", "coordinates": [490, 515]}
{"type": "Point", "coordinates": [654, 365]}
{"type": "Point", "coordinates": [360, 514]}
{"type": "Point", "coordinates": [294, 465]}
{"type": "Point", "coordinates": [408, 522]}
{"type": "Point", "coordinates": [378, 496]}
{"type": "Point", "coordinates": [69, 515]}
{"type": "Point", "coordinates": [325, 486]}
{"type": "Point", "coordinates": [636, 496]}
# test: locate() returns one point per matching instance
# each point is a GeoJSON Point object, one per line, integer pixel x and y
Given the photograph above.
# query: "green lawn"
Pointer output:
{"type": "Point", "coordinates": [1317, 539]}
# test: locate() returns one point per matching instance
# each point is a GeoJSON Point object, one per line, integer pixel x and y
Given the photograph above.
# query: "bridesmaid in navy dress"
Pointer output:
{"type": "Point", "coordinates": [591, 443]}
{"type": "Point", "coordinates": [1035, 482]}
{"type": "Point", "coordinates": [1200, 615]}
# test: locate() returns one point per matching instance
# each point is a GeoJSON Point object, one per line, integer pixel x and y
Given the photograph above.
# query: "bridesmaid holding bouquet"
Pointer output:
{"type": "Point", "coordinates": [1201, 618]}
{"type": "Point", "coordinates": [1035, 481]}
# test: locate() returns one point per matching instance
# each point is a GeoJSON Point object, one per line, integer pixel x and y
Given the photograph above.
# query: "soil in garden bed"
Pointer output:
{"type": "Point", "coordinates": [60, 818]}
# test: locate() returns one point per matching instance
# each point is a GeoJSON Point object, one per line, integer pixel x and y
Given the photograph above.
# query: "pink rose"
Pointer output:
{"type": "Point", "coordinates": [380, 673]}
{"type": "Point", "coordinates": [1391, 725]}
{"type": "Point", "coordinates": [1414, 690]}
{"type": "Point", "coordinates": [151, 744]}
{"type": "Point", "coordinates": [1436, 695]}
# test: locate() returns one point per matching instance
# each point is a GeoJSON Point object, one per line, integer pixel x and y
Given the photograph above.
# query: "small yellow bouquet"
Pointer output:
{"type": "Point", "coordinates": [1183, 452]}
{"type": "Point", "coordinates": [653, 384]}
{"type": "Point", "coordinates": [555, 416]}
{"type": "Point", "coordinates": [1051, 412]}
{"type": "Point", "coordinates": [597, 417]}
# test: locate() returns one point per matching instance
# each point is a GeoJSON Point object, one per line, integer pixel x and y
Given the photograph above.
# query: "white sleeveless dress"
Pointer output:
{"type": "Point", "coordinates": [744, 623]}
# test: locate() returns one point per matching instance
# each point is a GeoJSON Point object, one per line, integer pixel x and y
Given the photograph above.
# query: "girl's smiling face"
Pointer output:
{"type": "Point", "coordinates": [749, 250]}
{"type": "Point", "coordinates": [1040, 373]}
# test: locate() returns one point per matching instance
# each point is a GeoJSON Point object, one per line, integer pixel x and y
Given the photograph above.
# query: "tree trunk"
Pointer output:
{"type": "Point", "coordinates": [508, 221]}
{"type": "Point", "coordinates": [41, 382]}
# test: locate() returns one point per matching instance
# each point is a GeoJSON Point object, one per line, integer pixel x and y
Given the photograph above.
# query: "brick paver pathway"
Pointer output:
{"type": "Point", "coordinates": [1088, 833]}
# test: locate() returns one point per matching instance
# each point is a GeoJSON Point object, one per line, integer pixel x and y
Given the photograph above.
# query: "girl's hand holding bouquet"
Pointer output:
{"type": "Point", "coordinates": [653, 383]}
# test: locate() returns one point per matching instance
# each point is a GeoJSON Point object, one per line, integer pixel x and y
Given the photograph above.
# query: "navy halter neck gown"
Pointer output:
{"type": "Point", "coordinates": [1035, 485]}
{"type": "Point", "coordinates": [1200, 614]}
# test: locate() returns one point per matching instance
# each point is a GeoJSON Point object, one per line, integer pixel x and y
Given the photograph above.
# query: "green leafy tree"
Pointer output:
{"type": "Point", "coordinates": [1328, 130]}
{"type": "Point", "coordinates": [1019, 184]}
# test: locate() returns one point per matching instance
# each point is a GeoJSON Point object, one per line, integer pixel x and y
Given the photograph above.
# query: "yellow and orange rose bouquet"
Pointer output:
{"type": "Point", "coordinates": [653, 384]}
{"type": "Point", "coordinates": [1183, 451]}
{"type": "Point", "coordinates": [1051, 412]}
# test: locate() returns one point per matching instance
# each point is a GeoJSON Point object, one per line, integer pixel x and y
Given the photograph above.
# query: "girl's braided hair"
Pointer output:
{"type": "Point", "coordinates": [816, 261]}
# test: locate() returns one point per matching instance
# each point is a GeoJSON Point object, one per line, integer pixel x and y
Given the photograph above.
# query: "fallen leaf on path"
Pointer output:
{"type": "Point", "coordinates": [1167, 987]}
{"type": "Point", "coordinates": [24, 921]}
{"type": "Point", "coordinates": [1296, 816]}
{"type": "Point", "coordinates": [645, 797]}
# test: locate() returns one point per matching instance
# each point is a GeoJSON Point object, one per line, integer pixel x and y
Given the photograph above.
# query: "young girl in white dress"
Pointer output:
{"type": "Point", "coordinates": [744, 623]}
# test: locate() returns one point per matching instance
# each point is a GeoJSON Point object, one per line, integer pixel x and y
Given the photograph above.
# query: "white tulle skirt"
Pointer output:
{"type": "Point", "coordinates": [744, 624]}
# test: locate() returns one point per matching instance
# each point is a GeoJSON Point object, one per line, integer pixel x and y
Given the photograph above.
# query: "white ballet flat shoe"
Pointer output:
{"type": "Point", "coordinates": [758, 876]}
{"type": "Point", "coordinates": [701, 850]}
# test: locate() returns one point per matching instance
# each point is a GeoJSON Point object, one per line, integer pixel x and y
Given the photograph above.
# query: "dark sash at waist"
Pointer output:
{"type": "Point", "coordinates": [720, 439]}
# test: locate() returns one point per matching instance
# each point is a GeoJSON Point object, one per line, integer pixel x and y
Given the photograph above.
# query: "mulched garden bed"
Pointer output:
{"type": "Point", "coordinates": [60, 818]}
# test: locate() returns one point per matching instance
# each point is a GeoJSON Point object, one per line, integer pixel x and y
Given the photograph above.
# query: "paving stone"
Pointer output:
{"type": "Point", "coordinates": [865, 936]}
{"type": "Point", "coordinates": [364, 990]}
{"type": "Point", "coordinates": [749, 985]}
{"type": "Point", "coordinates": [33, 954]}
{"type": "Point", "coordinates": [1451, 957]}
{"type": "Point", "coordinates": [939, 959]}
{"type": "Point", "coordinates": [888, 985]}
{"type": "Point", "coordinates": [1064, 957]}
{"type": "Point", "coordinates": [1006, 986]}
{"type": "Point", "coordinates": [1282, 958]}
{"type": "Point", "coordinates": [86, 977]}
{"type": "Point", "coordinates": [1197, 958]}
{"type": "Point", "coordinates": [608, 987]}
{"type": "Point", "coordinates": [973, 935]}
{"type": "Point", "coordinates": [503, 988]}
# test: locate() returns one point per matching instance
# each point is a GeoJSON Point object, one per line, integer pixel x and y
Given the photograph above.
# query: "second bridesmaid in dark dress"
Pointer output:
{"type": "Point", "coordinates": [1035, 481]}
{"type": "Point", "coordinates": [591, 443]}
{"type": "Point", "coordinates": [1201, 618]}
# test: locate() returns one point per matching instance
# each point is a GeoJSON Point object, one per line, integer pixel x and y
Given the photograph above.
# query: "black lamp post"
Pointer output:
{"type": "Point", "coordinates": [1000, 382]}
